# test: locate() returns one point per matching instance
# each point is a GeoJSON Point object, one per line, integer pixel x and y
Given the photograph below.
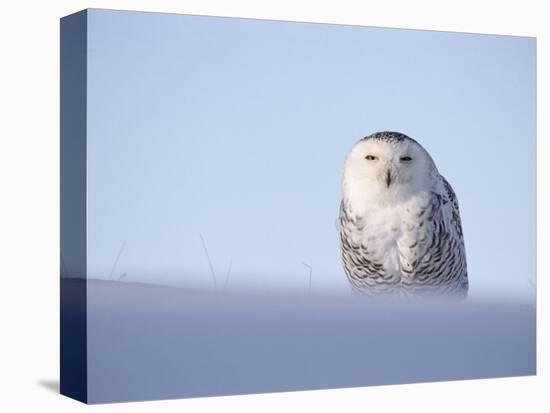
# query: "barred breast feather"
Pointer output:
{"type": "Point", "coordinates": [412, 248]}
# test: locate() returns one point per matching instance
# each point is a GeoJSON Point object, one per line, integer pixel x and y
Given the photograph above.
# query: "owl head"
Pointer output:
{"type": "Point", "coordinates": [387, 166]}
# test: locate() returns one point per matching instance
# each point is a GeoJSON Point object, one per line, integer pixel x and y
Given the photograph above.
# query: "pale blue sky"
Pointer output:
{"type": "Point", "coordinates": [237, 130]}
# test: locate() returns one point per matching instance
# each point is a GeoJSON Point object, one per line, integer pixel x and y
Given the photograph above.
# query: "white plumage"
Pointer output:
{"type": "Point", "coordinates": [399, 223]}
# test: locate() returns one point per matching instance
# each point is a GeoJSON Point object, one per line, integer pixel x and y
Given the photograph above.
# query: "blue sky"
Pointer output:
{"type": "Point", "coordinates": [236, 130]}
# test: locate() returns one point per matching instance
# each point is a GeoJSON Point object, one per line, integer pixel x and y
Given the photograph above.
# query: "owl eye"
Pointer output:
{"type": "Point", "coordinates": [406, 158]}
{"type": "Point", "coordinates": [371, 158]}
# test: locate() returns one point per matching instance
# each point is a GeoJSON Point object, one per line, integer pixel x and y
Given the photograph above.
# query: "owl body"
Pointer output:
{"type": "Point", "coordinates": [399, 223]}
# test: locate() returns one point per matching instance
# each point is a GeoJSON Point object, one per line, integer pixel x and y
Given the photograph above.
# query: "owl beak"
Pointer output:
{"type": "Point", "coordinates": [388, 178]}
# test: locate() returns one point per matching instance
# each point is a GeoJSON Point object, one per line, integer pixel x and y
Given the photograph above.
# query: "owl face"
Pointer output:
{"type": "Point", "coordinates": [386, 167]}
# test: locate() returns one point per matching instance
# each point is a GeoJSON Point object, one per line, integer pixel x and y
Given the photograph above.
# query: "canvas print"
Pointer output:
{"type": "Point", "coordinates": [257, 206]}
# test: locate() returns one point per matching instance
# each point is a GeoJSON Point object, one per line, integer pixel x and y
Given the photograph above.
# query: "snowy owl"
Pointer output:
{"type": "Point", "coordinates": [399, 223]}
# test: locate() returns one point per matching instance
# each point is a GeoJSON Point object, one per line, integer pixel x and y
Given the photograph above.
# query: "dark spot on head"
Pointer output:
{"type": "Point", "coordinates": [388, 136]}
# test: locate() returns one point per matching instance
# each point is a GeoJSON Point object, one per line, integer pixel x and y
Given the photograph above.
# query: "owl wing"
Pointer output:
{"type": "Point", "coordinates": [364, 271]}
{"type": "Point", "coordinates": [452, 212]}
{"type": "Point", "coordinates": [432, 254]}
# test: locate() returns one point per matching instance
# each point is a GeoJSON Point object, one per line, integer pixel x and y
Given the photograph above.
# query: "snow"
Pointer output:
{"type": "Point", "coordinates": [154, 342]}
